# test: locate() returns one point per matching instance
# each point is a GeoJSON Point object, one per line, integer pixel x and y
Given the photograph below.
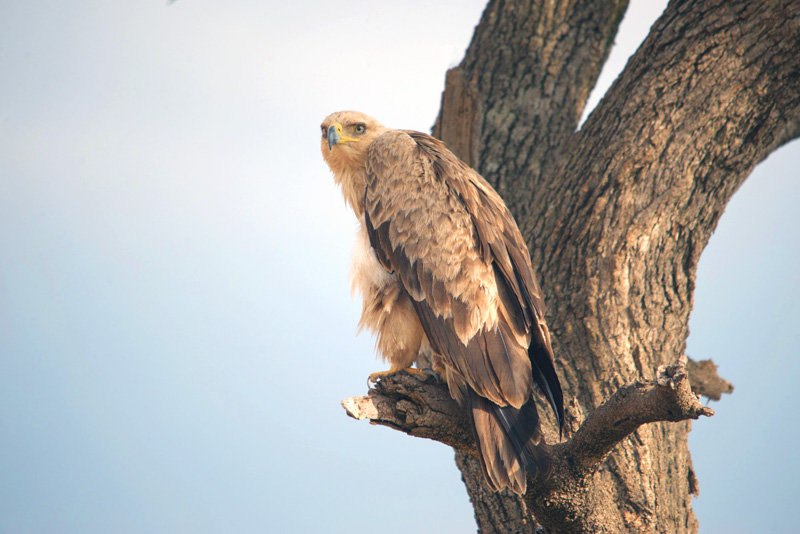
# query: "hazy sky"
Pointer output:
{"type": "Point", "coordinates": [176, 328]}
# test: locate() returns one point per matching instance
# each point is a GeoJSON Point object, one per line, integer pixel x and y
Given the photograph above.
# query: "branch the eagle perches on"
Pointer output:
{"type": "Point", "coordinates": [424, 408]}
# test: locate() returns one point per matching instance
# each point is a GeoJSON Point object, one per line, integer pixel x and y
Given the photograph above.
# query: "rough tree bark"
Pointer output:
{"type": "Point", "coordinates": [616, 216]}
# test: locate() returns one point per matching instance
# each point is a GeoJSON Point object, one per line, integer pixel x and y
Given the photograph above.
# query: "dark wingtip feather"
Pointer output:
{"type": "Point", "coordinates": [544, 374]}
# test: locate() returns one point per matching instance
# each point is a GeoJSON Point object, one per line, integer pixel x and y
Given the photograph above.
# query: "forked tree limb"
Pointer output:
{"type": "Point", "coordinates": [423, 408]}
{"type": "Point", "coordinates": [560, 503]}
{"type": "Point", "coordinates": [546, 57]}
{"type": "Point", "coordinates": [669, 397]}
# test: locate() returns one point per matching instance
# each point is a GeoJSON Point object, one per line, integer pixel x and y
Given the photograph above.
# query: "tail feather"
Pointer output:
{"type": "Point", "coordinates": [510, 443]}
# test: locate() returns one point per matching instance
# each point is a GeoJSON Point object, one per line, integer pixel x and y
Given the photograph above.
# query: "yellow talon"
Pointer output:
{"type": "Point", "coordinates": [374, 377]}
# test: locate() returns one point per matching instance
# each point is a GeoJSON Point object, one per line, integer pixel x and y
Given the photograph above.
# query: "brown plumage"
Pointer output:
{"type": "Point", "coordinates": [440, 263]}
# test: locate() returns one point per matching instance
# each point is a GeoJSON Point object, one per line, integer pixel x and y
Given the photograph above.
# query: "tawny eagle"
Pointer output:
{"type": "Point", "coordinates": [441, 265]}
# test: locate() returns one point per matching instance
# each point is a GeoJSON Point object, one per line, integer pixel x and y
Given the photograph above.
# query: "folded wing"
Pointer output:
{"type": "Point", "coordinates": [460, 256]}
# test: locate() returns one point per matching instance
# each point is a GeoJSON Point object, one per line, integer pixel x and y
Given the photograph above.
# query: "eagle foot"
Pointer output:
{"type": "Point", "coordinates": [419, 373]}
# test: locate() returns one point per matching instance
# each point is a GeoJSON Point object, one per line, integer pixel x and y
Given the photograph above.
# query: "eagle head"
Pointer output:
{"type": "Point", "coordinates": [346, 137]}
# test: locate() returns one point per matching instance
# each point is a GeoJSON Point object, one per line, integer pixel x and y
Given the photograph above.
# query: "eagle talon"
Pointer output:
{"type": "Point", "coordinates": [421, 374]}
{"type": "Point", "coordinates": [430, 373]}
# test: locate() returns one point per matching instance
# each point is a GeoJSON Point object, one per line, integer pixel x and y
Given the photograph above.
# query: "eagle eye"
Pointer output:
{"type": "Point", "coordinates": [324, 131]}
{"type": "Point", "coordinates": [360, 128]}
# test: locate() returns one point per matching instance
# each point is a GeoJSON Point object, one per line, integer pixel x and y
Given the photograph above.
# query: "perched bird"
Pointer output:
{"type": "Point", "coordinates": [441, 266]}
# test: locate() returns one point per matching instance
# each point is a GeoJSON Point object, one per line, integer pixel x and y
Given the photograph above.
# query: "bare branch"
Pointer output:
{"type": "Point", "coordinates": [560, 503]}
{"type": "Point", "coordinates": [705, 380]}
{"type": "Point", "coordinates": [421, 408]}
{"type": "Point", "coordinates": [424, 408]}
{"type": "Point", "coordinates": [667, 398]}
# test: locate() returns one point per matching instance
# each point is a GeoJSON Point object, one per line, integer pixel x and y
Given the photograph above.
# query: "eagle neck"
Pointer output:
{"type": "Point", "coordinates": [354, 185]}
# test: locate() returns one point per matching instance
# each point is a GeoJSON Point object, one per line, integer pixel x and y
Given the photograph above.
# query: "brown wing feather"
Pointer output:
{"type": "Point", "coordinates": [501, 244]}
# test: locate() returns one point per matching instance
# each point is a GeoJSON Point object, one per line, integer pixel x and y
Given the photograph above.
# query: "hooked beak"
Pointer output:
{"type": "Point", "coordinates": [335, 136]}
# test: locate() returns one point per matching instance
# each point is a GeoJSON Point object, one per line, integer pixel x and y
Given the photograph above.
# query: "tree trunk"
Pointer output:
{"type": "Point", "coordinates": [616, 216]}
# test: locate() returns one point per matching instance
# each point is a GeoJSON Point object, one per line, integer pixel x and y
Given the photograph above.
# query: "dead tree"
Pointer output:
{"type": "Point", "coordinates": [615, 216]}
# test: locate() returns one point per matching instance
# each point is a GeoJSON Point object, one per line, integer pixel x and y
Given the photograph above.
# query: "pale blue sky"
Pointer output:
{"type": "Point", "coordinates": [176, 329]}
